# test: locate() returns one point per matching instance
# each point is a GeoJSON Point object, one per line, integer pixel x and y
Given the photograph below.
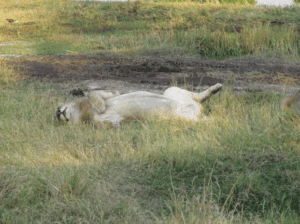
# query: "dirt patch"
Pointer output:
{"type": "Point", "coordinates": [160, 72]}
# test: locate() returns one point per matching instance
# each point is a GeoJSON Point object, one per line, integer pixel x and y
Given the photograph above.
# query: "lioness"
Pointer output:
{"type": "Point", "coordinates": [101, 106]}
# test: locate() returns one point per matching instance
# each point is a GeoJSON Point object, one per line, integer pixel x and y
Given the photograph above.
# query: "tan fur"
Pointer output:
{"type": "Point", "coordinates": [97, 102]}
{"type": "Point", "coordinates": [291, 104]}
{"type": "Point", "coordinates": [101, 106]}
{"type": "Point", "coordinates": [86, 111]}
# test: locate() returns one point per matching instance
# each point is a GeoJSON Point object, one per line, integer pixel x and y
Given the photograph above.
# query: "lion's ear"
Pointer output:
{"type": "Point", "coordinates": [97, 102]}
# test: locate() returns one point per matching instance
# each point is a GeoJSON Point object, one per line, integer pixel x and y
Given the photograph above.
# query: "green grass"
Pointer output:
{"type": "Point", "coordinates": [53, 47]}
{"type": "Point", "coordinates": [241, 166]}
{"type": "Point", "coordinates": [142, 28]}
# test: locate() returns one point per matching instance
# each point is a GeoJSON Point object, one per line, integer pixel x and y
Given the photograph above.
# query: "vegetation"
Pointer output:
{"type": "Point", "coordinates": [9, 75]}
{"type": "Point", "coordinates": [168, 28]}
{"type": "Point", "coordinates": [241, 166]}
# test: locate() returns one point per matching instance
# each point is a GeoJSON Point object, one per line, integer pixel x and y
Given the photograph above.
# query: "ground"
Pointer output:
{"type": "Point", "coordinates": [155, 73]}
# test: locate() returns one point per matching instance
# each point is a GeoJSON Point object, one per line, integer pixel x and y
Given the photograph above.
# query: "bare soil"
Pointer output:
{"type": "Point", "coordinates": [156, 73]}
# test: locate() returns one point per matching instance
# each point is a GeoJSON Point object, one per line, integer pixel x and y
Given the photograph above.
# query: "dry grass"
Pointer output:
{"type": "Point", "coordinates": [152, 170]}
{"type": "Point", "coordinates": [27, 11]}
{"type": "Point", "coordinates": [241, 166]}
{"type": "Point", "coordinates": [9, 75]}
{"type": "Point", "coordinates": [177, 28]}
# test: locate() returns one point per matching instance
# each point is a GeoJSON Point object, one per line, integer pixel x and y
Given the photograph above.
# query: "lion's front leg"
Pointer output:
{"type": "Point", "coordinates": [97, 99]}
{"type": "Point", "coordinates": [113, 118]}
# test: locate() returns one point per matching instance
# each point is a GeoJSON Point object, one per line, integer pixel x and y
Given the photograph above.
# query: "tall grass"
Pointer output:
{"type": "Point", "coordinates": [240, 166]}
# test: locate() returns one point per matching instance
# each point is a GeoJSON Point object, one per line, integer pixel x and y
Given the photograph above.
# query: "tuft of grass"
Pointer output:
{"type": "Point", "coordinates": [87, 194]}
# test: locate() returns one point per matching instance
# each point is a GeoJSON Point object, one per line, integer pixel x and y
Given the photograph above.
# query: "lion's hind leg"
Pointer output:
{"type": "Point", "coordinates": [201, 97]}
{"type": "Point", "coordinates": [111, 117]}
{"type": "Point", "coordinates": [185, 97]}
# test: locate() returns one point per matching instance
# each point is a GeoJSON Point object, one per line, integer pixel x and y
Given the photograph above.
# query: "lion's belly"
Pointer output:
{"type": "Point", "coordinates": [144, 105]}
{"type": "Point", "coordinates": [141, 107]}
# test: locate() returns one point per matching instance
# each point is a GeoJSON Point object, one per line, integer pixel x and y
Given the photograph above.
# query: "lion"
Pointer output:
{"type": "Point", "coordinates": [291, 103]}
{"type": "Point", "coordinates": [101, 106]}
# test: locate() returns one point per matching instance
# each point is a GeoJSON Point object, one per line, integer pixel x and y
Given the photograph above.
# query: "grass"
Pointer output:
{"type": "Point", "coordinates": [9, 75]}
{"type": "Point", "coordinates": [241, 166]}
{"type": "Point", "coordinates": [142, 28]}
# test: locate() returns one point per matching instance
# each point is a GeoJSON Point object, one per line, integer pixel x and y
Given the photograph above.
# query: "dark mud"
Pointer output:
{"type": "Point", "coordinates": [157, 70]}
